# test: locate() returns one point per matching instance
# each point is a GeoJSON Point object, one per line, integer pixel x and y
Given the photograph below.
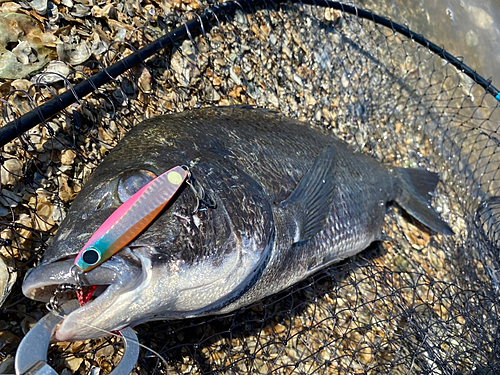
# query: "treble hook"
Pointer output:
{"type": "Point", "coordinates": [76, 272]}
{"type": "Point", "coordinates": [53, 304]}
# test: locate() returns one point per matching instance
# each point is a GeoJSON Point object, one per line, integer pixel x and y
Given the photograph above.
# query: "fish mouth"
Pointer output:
{"type": "Point", "coordinates": [114, 279]}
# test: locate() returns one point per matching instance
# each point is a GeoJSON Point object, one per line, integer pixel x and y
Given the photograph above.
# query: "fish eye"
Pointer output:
{"type": "Point", "coordinates": [91, 256]}
{"type": "Point", "coordinates": [131, 182]}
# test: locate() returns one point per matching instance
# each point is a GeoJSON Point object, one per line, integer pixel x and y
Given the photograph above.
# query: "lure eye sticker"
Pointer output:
{"type": "Point", "coordinates": [128, 220]}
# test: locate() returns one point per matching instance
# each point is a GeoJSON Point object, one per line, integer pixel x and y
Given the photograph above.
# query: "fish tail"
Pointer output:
{"type": "Point", "coordinates": [416, 185]}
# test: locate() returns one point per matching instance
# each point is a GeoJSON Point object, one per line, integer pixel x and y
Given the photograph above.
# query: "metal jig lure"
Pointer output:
{"type": "Point", "coordinates": [128, 220]}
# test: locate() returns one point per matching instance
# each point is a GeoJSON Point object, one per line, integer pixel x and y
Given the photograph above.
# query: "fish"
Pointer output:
{"type": "Point", "coordinates": [269, 202]}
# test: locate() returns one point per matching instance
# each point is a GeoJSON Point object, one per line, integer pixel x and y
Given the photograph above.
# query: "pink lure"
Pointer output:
{"type": "Point", "coordinates": [130, 219]}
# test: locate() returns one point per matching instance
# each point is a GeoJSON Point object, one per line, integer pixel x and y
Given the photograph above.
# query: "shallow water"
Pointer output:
{"type": "Point", "coordinates": [467, 28]}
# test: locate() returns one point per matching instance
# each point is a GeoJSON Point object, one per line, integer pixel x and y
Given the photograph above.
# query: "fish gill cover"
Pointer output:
{"type": "Point", "coordinates": [412, 303]}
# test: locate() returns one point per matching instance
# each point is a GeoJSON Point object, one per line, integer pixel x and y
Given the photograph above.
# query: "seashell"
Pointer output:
{"type": "Point", "coordinates": [22, 50]}
{"type": "Point", "coordinates": [80, 10]}
{"type": "Point", "coordinates": [60, 68]}
{"type": "Point", "coordinates": [7, 277]}
{"type": "Point", "coordinates": [184, 66]}
{"type": "Point", "coordinates": [10, 171]}
{"type": "Point", "coordinates": [66, 192]}
{"type": "Point", "coordinates": [73, 51]}
{"type": "Point", "coordinates": [39, 6]}
{"type": "Point", "coordinates": [87, 3]}
{"type": "Point", "coordinates": [54, 15]}
{"type": "Point", "coordinates": [10, 7]}
{"type": "Point", "coordinates": [99, 46]}
{"type": "Point", "coordinates": [144, 80]}
{"type": "Point", "coordinates": [108, 11]}
{"type": "Point", "coordinates": [121, 34]}
{"type": "Point", "coordinates": [24, 53]}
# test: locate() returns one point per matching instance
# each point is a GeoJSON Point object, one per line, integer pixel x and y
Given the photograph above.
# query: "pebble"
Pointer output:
{"type": "Point", "coordinates": [73, 363]}
{"type": "Point", "coordinates": [9, 198]}
{"type": "Point", "coordinates": [68, 157]}
{"type": "Point", "coordinates": [106, 351]}
{"type": "Point", "coordinates": [344, 80]}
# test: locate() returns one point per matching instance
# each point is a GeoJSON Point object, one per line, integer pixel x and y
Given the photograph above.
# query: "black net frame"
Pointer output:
{"type": "Point", "coordinates": [412, 303]}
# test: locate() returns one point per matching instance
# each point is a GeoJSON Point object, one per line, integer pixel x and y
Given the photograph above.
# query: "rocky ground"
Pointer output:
{"type": "Point", "coordinates": [401, 306]}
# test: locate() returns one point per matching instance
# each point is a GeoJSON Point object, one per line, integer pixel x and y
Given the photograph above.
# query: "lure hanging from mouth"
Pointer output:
{"type": "Point", "coordinates": [128, 220]}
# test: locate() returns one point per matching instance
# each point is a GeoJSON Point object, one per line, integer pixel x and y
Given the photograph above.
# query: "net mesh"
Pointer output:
{"type": "Point", "coordinates": [411, 303]}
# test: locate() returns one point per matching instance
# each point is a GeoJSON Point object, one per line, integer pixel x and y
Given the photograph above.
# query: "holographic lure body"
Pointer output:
{"type": "Point", "coordinates": [128, 220]}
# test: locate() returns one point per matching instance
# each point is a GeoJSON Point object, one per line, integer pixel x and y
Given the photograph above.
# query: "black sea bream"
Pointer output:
{"type": "Point", "coordinates": [281, 201]}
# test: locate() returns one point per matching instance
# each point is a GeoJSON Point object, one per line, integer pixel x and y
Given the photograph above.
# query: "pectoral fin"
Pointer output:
{"type": "Point", "coordinates": [310, 202]}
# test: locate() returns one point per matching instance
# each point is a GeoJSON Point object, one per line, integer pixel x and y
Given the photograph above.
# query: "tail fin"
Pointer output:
{"type": "Point", "coordinates": [416, 184]}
